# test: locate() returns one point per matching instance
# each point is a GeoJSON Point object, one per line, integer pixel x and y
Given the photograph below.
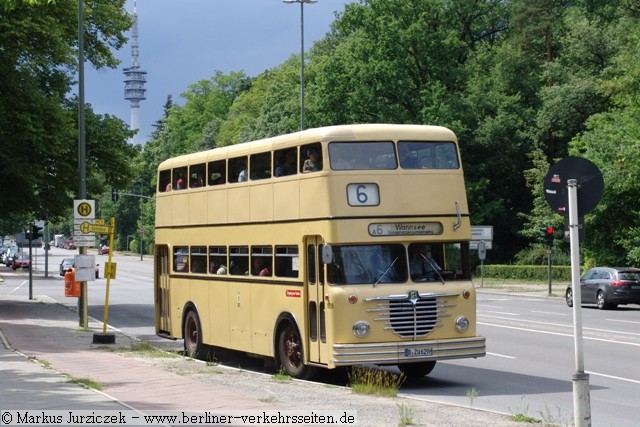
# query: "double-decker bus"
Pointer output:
{"type": "Point", "coordinates": [328, 247]}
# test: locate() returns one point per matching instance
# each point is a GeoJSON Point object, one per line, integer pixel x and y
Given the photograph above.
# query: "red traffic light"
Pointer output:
{"type": "Point", "coordinates": [549, 231]}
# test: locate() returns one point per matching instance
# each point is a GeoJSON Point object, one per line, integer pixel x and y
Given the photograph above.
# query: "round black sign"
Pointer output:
{"type": "Point", "coordinates": [590, 185]}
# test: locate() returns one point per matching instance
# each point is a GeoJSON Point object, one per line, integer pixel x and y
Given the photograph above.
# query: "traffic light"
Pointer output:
{"type": "Point", "coordinates": [547, 235]}
{"type": "Point", "coordinates": [36, 232]}
{"type": "Point", "coordinates": [114, 195]}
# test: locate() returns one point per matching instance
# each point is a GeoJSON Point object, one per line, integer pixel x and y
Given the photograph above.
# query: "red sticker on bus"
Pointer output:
{"type": "Point", "coordinates": [293, 293]}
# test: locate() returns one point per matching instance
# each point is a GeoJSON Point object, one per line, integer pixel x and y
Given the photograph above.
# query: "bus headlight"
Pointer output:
{"type": "Point", "coordinates": [462, 323]}
{"type": "Point", "coordinates": [361, 329]}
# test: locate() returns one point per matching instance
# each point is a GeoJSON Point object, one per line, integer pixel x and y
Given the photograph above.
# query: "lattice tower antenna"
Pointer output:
{"type": "Point", "coordinates": [135, 78]}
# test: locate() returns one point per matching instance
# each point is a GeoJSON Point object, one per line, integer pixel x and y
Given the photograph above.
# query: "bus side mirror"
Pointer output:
{"type": "Point", "coordinates": [327, 254]}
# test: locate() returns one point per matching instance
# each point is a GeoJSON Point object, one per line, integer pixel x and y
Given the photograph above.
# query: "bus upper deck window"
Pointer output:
{"type": "Point", "coordinates": [217, 172]}
{"type": "Point", "coordinates": [164, 181]}
{"type": "Point", "coordinates": [180, 178]}
{"type": "Point", "coordinates": [311, 158]}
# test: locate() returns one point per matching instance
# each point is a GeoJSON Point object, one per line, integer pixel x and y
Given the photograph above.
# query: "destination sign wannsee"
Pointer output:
{"type": "Point", "coordinates": [405, 229]}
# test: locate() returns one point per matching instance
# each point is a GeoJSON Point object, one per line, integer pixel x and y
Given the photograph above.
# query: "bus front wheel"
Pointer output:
{"type": "Point", "coordinates": [192, 335]}
{"type": "Point", "coordinates": [417, 370]}
{"type": "Point", "coordinates": [290, 353]}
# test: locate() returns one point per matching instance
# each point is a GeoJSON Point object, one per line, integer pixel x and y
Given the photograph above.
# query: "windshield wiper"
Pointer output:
{"type": "Point", "coordinates": [385, 272]}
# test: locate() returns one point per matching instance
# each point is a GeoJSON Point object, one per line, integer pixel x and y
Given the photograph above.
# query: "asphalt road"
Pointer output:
{"type": "Point", "coordinates": [530, 347]}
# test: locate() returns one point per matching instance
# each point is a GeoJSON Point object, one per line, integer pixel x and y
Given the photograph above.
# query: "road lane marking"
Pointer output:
{"type": "Point", "coordinates": [634, 322]}
{"type": "Point", "coordinates": [613, 377]}
{"type": "Point", "coordinates": [558, 334]}
{"type": "Point", "coordinates": [18, 287]}
{"type": "Point", "coordinates": [501, 355]}
{"type": "Point", "coordinates": [499, 312]}
{"type": "Point", "coordinates": [550, 312]}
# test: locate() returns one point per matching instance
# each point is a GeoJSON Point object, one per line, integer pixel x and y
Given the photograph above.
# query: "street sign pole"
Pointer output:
{"type": "Point", "coordinates": [580, 380]}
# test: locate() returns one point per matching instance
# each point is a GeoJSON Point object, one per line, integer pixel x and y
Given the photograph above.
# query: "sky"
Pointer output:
{"type": "Point", "coordinates": [185, 41]}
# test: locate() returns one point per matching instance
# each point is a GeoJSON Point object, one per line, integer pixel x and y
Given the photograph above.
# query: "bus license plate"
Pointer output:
{"type": "Point", "coordinates": [418, 352]}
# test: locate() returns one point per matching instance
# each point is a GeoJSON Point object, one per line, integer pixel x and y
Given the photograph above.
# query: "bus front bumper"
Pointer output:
{"type": "Point", "coordinates": [408, 352]}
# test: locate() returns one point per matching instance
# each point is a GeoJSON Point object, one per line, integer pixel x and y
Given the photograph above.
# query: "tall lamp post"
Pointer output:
{"type": "Point", "coordinates": [302, 2]}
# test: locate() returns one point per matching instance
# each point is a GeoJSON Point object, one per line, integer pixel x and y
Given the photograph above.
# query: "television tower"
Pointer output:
{"type": "Point", "coordinates": [135, 78]}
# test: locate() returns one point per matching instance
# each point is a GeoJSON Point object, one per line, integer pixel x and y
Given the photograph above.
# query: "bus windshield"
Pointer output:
{"type": "Point", "coordinates": [395, 263]}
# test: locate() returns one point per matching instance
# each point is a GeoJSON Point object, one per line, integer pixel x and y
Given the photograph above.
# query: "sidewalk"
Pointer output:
{"type": "Point", "coordinates": [41, 330]}
{"type": "Point", "coordinates": [42, 346]}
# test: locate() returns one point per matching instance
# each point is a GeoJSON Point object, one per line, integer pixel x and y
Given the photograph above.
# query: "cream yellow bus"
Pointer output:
{"type": "Point", "coordinates": [329, 247]}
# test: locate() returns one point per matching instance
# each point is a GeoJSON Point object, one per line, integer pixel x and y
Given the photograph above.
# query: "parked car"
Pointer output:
{"type": "Point", "coordinates": [607, 287]}
{"type": "Point", "coordinates": [10, 255]}
{"type": "Point", "coordinates": [104, 249]}
{"type": "Point", "coordinates": [20, 261]}
{"type": "Point", "coordinates": [67, 263]}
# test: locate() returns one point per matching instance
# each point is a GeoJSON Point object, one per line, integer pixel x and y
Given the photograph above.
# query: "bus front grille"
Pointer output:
{"type": "Point", "coordinates": [411, 316]}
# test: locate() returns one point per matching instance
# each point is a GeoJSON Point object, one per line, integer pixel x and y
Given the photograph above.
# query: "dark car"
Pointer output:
{"type": "Point", "coordinates": [607, 287]}
{"type": "Point", "coordinates": [20, 261]}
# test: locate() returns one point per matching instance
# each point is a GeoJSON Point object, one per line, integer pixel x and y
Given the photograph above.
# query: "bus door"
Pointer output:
{"type": "Point", "coordinates": [161, 282]}
{"type": "Point", "coordinates": [316, 315]}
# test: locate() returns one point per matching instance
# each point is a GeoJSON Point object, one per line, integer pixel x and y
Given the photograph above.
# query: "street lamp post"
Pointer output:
{"type": "Point", "coordinates": [302, 2]}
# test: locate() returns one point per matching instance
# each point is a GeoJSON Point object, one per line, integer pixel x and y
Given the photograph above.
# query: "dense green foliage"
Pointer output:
{"type": "Point", "coordinates": [520, 93]}
{"type": "Point", "coordinates": [38, 117]}
{"type": "Point", "coordinates": [524, 273]}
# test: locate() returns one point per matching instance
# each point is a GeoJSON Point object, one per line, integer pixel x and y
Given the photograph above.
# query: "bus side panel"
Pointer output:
{"type": "Point", "coordinates": [219, 314]}
{"type": "Point", "coordinates": [239, 303]}
{"type": "Point", "coordinates": [261, 204]}
{"type": "Point", "coordinates": [178, 297]}
{"type": "Point", "coordinates": [284, 193]}
{"type": "Point", "coordinates": [180, 208]}
{"type": "Point", "coordinates": [315, 198]}
{"type": "Point", "coordinates": [238, 207]}
{"type": "Point", "coordinates": [200, 297]}
{"type": "Point", "coordinates": [262, 307]}
{"type": "Point", "coordinates": [217, 207]}
{"type": "Point", "coordinates": [197, 207]}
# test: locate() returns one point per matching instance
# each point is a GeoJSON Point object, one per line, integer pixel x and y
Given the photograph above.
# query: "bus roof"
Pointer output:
{"type": "Point", "coordinates": [342, 133]}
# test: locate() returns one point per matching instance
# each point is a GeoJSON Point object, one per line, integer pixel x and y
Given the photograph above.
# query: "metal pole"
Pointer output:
{"type": "Point", "coordinates": [581, 403]}
{"type": "Point", "coordinates": [301, 65]}
{"type": "Point", "coordinates": [302, 2]}
{"type": "Point", "coordinates": [82, 194]}
{"type": "Point", "coordinates": [549, 268]}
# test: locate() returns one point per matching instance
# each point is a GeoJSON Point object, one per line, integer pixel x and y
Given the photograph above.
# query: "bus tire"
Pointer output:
{"type": "Point", "coordinates": [417, 370]}
{"type": "Point", "coordinates": [192, 335]}
{"type": "Point", "coordinates": [290, 353]}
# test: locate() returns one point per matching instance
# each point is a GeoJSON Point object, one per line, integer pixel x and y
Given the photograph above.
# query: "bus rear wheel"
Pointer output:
{"type": "Point", "coordinates": [417, 370]}
{"type": "Point", "coordinates": [291, 355]}
{"type": "Point", "coordinates": [192, 335]}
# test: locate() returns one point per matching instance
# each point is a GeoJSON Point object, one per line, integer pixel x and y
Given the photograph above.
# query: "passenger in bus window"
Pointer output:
{"type": "Point", "coordinates": [287, 163]}
{"type": "Point", "coordinates": [314, 161]}
{"type": "Point", "coordinates": [180, 183]}
{"type": "Point", "coordinates": [259, 267]}
{"type": "Point", "coordinates": [423, 267]}
{"type": "Point", "coordinates": [217, 267]}
{"type": "Point", "coordinates": [242, 176]}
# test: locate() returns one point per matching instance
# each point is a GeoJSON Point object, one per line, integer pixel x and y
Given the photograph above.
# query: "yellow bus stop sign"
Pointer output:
{"type": "Point", "coordinates": [110, 270]}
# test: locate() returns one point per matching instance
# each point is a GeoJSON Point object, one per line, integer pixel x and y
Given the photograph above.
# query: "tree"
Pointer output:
{"type": "Point", "coordinates": [38, 126]}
